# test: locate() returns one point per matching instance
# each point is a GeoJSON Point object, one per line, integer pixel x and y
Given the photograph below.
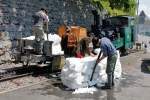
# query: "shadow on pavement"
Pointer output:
{"type": "Point", "coordinates": [145, 66]}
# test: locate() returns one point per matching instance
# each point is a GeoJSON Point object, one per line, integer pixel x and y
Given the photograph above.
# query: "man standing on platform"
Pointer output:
{"type": "Point", "coordinates": [40, 26]}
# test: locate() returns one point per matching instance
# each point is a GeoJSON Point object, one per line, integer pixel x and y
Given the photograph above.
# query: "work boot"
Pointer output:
{"type": "Point", "coordinates": [110, 83]}
{"type": "Point", "coordinates": [107, 86]}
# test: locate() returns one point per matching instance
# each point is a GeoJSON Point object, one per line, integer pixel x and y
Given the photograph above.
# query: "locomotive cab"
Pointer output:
{"type": "Point", "coordinates": [120, 30]}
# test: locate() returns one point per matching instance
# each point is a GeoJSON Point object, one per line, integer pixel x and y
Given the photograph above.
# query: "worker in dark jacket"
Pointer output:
{"type": "Point", "coordinates": [108, 50]}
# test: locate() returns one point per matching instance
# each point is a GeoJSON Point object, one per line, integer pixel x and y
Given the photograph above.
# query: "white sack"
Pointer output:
{"type": "Point", "coordinates": [56, 49]}
{"type": "Point", "coordinates": [29, 38]}
{"type": "Point", "coordinates": [56, 46]}
{"type": "Point", "coordinates": [53, 37]}
{"type": "Point", "coordinates": [85, 90]}
{"type": "Point", "coordinates": [76, 72]}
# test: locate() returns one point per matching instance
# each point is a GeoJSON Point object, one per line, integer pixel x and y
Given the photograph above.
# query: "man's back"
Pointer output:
{"type": "Point", "coordinates": [107, 47]}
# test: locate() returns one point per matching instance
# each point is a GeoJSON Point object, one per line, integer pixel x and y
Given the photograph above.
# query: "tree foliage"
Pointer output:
{"type": "Point", "coordinates": [118, 7]}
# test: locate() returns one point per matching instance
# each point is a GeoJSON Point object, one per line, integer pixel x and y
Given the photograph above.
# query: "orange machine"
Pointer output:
{"type": "Point", "coordinates": [80, 32]}
{"type": "Point", "coordinates": [77, 31]}
{"type": "Point", "coordinates": [61, 30]}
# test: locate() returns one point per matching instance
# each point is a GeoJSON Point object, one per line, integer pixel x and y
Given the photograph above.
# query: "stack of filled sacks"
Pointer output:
{"type": "Point", "coordinates": [56, 45]}
{"type": "Point", "coordinates": [77, 72]}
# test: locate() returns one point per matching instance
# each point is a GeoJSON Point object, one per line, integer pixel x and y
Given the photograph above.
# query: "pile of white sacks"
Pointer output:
{"type": "Point", "coordinates": [56, 45]}
{"type": "Point", "coordinates": [76, 72]}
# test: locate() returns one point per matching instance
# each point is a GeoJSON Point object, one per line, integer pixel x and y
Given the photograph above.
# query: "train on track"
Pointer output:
{"type": "Point", "coordinates": [121, 31]}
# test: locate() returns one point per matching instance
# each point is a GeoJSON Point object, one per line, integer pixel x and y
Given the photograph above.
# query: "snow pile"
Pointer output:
{"type": "Point", "coordinates": [77, 72]}
{"type": "Point", "coordinates": [56, 45]}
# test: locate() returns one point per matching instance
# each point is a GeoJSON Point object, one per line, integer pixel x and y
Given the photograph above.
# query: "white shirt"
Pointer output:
{"type": "Point", "coordinates": [42, 18]}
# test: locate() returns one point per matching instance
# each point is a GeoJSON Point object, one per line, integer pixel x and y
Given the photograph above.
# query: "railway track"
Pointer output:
{"type": "Point", "coordinates": [14, 73]}
{"type": "Point", "coordinates": [14, 77]}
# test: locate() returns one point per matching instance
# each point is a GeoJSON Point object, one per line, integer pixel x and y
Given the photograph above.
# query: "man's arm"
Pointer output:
{"type": "Point", "coordinates": [46, 21]}
{"type": "Point", "coordinates": [100, 58]}
{"type": "Point", "coordinates": [46, 27]}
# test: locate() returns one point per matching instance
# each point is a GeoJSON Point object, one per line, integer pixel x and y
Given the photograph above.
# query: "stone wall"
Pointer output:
{"type": "Point", "coordinates": [15, 15]}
